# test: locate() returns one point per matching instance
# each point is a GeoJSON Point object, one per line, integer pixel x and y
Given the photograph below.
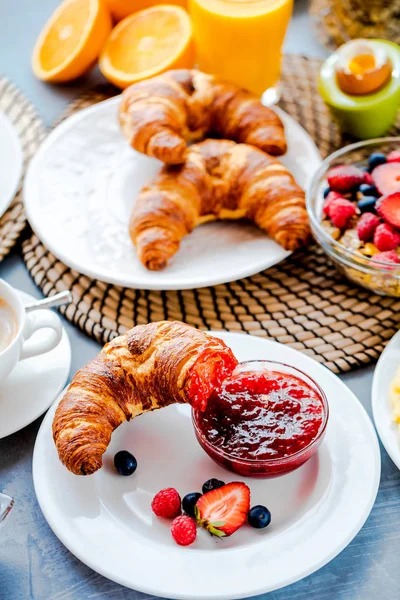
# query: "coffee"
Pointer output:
{"type": "Point", "coordinates": [8, 324]}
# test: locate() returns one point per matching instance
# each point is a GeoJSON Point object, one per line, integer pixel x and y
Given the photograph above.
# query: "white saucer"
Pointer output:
{"type": "Point", "coordinates": [80, 189]}
{"type": "Point", "coordinates": [33, 384]}
{"type": "Point", "coordinates": [385, 371]}
{"type": "Point", "coordinates": [106, 521]}
{"type": "Point", "coordinates": [11, 161]}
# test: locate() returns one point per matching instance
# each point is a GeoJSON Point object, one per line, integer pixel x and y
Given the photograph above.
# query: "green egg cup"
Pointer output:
{"type": "Point", "coordinates": [366, 116]}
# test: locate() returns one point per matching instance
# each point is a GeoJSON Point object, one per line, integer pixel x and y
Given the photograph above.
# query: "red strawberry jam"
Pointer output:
{"type": "Point", "coordinates": [263, 422]}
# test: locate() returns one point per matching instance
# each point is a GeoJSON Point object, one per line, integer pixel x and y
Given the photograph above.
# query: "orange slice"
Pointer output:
{"type": "Point", "coordinates": [71, 40]}
{"type": "Point", "coordinates": [123, 8]}
{"type": "Point", "coordinates": [147, 43]}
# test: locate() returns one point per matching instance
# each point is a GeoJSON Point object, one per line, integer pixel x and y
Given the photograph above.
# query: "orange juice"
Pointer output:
{"type": "Point", "coordinates": [241, 40]}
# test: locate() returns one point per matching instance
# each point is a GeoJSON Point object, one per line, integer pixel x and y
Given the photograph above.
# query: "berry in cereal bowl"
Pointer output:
{"type": "Point", "coordinates": [354, 207]}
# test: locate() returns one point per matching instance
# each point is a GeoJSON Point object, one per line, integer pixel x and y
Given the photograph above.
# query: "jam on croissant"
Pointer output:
{"type": "Point", "coordinates": [219, 180]}
{"type": "Point", "coordinates": [149, 367]}
{"type": "Point", "coordinates": [160, 115]}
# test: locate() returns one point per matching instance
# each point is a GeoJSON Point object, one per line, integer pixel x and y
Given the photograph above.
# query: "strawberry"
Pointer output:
{"type": "Point", "coordinates": [183, 530]}
{"type": "Point", "coordinates": [366, 226]}
{"type": "Point", "coordinates": [223, 510]}
{"type": "Point", "coordinates": [345, 178]}
{"type": "Point", "coordinates": [329, 199]}
{"type": "Point", "coordinates": [393, 156]}
{"type": "Point", "coordinates": [340, 211]}
{"type": "Point", "coordinates": [386, 238]}
{"type": "Point", "coordinates": [387, 177]}
{"type": "Point", "coordinates": [388, 207]}
{"type": "Point", "coordinates": [389, 256]}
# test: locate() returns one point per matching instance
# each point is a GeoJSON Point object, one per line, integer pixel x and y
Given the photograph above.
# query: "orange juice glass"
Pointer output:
{"type": "Point", "coordinates": [241, 40]}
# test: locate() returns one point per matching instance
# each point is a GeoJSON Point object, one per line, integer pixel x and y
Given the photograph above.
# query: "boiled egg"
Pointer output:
{"type": "Point", "coordinates": [362, 67]}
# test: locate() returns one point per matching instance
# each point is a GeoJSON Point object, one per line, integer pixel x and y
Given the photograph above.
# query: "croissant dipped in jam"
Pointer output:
{"type": "Point", "coordinates": [149, 367]}
{"type": "Point", "coordinates": [219, 180]}
{"type": "Point", "coordinates": [159, 115]}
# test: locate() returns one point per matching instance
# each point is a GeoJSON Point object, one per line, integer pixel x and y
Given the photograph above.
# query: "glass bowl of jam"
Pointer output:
{"type": "Point", "coordinates": [266, 420]}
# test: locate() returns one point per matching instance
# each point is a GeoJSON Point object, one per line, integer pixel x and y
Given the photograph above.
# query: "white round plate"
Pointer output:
{"type": "Point", "coordinates": [106, 520]}
{"type": "Point", "coordinates": [11, 161]}
{"type": "Point", "coordinates": [33, 384]}
{"type": "Point", "coordinates": [79, 193]}
{"type": "Point", "coordinates": [384, 373]}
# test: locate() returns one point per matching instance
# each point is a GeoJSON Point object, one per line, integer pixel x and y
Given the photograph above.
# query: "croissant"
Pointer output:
{"type": "Point", "coordinates": [159, 115]}
{"type": "Point", "coordinates": [149, 367]}
{"type": "Point", "coordinates": [219, 180]}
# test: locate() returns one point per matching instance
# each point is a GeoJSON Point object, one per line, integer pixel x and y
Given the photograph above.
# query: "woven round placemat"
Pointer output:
{"type": "Point", "coordinates": [303, 301]}
{"type": "Point", "coordinates": [30, 129]}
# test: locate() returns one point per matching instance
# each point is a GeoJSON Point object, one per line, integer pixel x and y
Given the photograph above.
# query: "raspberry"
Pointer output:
{"type": "Point", "coordinates": [389, 256]}
{"type": "Point", "coordinates": [366, 226]}
{"type": "Point", "coordinates": [183, 530]}
{"type": "Point", "coordinates": [167, 503]}
{"type": "Point", "coordinates": [328, 200]}
{"type": "Point", "coordinates": [386, 238]}
{"type": "Point", "coordinates": [340, 211]}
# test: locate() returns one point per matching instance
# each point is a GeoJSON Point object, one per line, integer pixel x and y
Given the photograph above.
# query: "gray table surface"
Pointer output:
{"type": "Point", "coordinates": [33, 563]}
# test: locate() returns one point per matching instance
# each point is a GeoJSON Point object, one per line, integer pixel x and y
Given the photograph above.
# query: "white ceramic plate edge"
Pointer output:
{"type": "Point", "coordinates": [45, 407]}
{"type": "Point", "coordinates": [380, 396]}
{"type": "Point", "coordinates": [361, 518]}
{"type": "Point", "coordinates": [17, 162]}
{"type": "Point", "coordinates": [231, 596]}
{"type": "Point", "coordinates": [284, 115]}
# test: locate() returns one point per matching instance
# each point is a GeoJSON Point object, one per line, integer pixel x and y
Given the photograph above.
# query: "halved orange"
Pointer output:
{"type": "Point", "coordinates": [123, 8]}
{"type": "Point", "coordinates": [71, 40]}
{"type": "Point", "coordinates": [147, 43]}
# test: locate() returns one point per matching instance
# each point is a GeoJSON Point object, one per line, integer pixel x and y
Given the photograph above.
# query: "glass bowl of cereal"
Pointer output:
{"type": "Point", "coordinates": [353, 204]}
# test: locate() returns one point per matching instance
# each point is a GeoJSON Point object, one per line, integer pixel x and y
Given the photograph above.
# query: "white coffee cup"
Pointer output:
{"type": "Point", "coordinates": [22, 346]}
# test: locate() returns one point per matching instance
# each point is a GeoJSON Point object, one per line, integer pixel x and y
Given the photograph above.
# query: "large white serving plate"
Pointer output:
{"type": "Point", "coordinates": [106, 520]}
{"type": "Point", "coordinates": [79, 193]}
{"type": "Point", "coordinates": [11, 161]}
{"type": "Point", "coordinates": [385, 371]}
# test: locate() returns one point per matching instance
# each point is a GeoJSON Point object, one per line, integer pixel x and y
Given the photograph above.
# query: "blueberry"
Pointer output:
{"type": "Point", "coordinates": [326, 191]}
{"type": "Point", "coordinates": [189, 502]}
{"type": "Point", "coordinates": [211, 484]}
{"type": "Point", "coordinates": [259, 517]}
{"type": "Point", "coordinates": [125, 463]}
{"type": "Point", "coordinates": [368, 190]}
{"type": "Point", "coordinates": [367, 204]}
{"type": "Point", "coordinates": [376, 158]}
{"type": "Point", "coordinates": [365, 169]}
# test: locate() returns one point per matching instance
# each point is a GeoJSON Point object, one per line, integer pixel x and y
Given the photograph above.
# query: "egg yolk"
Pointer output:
{"type": "Point", "coordinates": [362, 63]}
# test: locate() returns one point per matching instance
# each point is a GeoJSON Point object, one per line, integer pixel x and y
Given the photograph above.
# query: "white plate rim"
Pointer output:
{"type": "Point", "coordinates": [361, 518]}
{"type": "Point", "coordinates": [136, 283]}
{"type": "Point", "coordinates": [380, 396]}
{"type": "Point", "coordinates": [24, 423]}
{"type": "Point", "coordinates": [16, 160]}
